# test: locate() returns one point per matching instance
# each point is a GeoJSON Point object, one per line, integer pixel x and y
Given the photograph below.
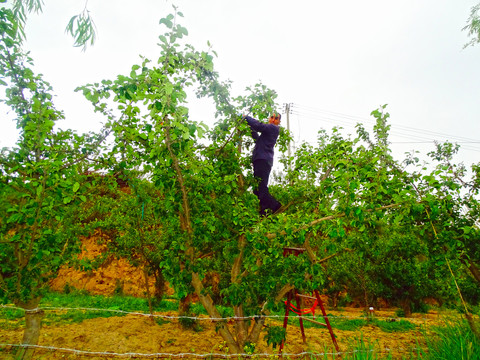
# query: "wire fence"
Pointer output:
{"type": "Point", "coordinates": [206, 355]}
{"type": "Point", "coordinates": [192, 355]}
{"type": "Point", "coordinates": [204, 318]}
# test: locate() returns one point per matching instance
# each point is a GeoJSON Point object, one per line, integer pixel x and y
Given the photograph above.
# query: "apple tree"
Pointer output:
{"type": "Point", "coordinates": [40, 185]}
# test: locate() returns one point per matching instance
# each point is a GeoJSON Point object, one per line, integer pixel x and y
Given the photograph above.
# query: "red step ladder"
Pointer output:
{"type": "Point", "coordinates": [298, 309]}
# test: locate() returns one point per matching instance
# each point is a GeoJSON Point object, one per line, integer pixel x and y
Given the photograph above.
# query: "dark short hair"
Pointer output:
{"type": "Point", "coordinates": [277, 116]}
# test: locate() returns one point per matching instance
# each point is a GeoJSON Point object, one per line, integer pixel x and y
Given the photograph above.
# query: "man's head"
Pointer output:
{"type": "Point", "coordinates": [275, 119]}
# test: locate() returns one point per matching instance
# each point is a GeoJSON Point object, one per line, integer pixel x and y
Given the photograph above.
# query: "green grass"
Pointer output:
{"type": "Point", "coordinates": [394, 325]}
{"type": "Point", "coordinates": [11, 314]}
{"type": "Point", "coordinates": [356, 324]}
{"type": "Point", "coordinates": [454, 340]}
{"type": "Point", "coordinates": [11, 319]}
{"type": "Point", "coordinates": [107, 306]}
{"type": "Point", "coordinates": [117, 302]}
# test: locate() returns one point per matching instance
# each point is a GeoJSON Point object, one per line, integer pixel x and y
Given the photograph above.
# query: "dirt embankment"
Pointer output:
{"type": "Point", "coordinates": [114, 276]}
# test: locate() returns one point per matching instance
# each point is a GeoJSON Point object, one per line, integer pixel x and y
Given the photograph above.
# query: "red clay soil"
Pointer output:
{"type": "Point", "coordinates": [113, 276]}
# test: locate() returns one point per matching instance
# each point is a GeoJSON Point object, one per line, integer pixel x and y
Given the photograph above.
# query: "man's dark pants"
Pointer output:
{"type": "Point", "coordinates": [261, 170]}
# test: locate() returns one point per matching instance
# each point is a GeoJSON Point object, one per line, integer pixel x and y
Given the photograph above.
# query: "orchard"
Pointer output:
{"type": "Point", "coordinates": [373, 228]}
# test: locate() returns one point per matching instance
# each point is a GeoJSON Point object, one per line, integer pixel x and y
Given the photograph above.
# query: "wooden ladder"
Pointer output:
{"type": "Point", "coordinates": [318, 301]}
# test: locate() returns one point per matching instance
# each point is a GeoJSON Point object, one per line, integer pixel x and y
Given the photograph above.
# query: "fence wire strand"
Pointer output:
{"type": "Point", "coordinates": [195, 355]}
{"type": "Point", "coordinates": [205, 318]}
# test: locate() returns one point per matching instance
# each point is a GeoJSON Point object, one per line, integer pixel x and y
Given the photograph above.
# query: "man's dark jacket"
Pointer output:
{"type": "Point", "coordinates": [265, 142]}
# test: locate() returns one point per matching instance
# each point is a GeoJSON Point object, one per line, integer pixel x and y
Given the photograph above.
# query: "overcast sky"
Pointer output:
{"type": "Point", "coordinates": [335, 61]}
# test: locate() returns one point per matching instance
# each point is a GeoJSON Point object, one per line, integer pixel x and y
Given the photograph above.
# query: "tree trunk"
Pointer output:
{"type": "Point", "coordinates": [147, 289]}
{"type": "Point", "coordinates": [184, 305]}
{"type": "Point", "coordinates": [212, 311]}
{"type": "Point", "coordinates": [33, 324]}
{"type": "Point", "coordinates": [159, 284]}
{"type": "Point", "coordinates": [240, 326]}
{"type": "Point", "coordinates": [472, 267]}
{"type": "Point", "coordinates": [406, 306]}
{"type": "Point", "coordinates": [256, 330]}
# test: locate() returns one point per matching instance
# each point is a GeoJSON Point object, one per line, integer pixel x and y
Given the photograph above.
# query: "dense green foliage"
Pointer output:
{"type": "Point", "coordinates": [40, 179]}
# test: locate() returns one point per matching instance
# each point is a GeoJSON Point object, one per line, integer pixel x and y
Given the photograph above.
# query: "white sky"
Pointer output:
{"type": "Point", "coordinates": [336, 61]}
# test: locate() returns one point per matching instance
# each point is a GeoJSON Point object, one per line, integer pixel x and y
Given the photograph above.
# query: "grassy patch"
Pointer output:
{"type": "Point", "coordinates": [124, 303]}
{"type": "Point", "coordinates": [394, 325]}
{"type": "Point", "coordinates": [76, 316]}
{"type": "Point", "coordinates": [11, 314]}
{"type": "Point", "coordinates": [109, 306]}
{"type": "Point", "coordinates": [455, 340]}
{"type": "Point", "coordinates": [11, 319]}
{"type": "Point", "coordinates": [73, 304]}
{"type": "Point", "coordinates": [349, 324]}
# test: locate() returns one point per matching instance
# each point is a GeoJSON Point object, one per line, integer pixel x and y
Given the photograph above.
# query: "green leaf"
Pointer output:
{"type": "Point", "coordinates": [168, 88]}
{"type": "Point", "coordinates": [163, 39]}
{"type": "Point", "coordinates": [182, 30]}
{"type": "Point", "coordinates": [76, 186]}
{"type": "Point", "coordinates": [166, 22]}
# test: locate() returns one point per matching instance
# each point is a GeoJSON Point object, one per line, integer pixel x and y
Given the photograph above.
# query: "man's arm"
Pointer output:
{"type": "Point", "coordinates": [255, 125]}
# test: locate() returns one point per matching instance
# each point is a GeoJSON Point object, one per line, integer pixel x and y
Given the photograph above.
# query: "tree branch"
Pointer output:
{"type": "Point", "coordinates": [331, 217]}
{"type": "Point", "coordinates": [212, 311]}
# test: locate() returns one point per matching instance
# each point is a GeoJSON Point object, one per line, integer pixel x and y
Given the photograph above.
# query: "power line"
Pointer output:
{"type": "Point", "coordinates": [418, 136]}
{"type": "Point", "coordinates": [363, 119]}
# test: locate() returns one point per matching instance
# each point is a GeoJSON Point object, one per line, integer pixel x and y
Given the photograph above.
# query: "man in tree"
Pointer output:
{"type": "Point", "coordinates": [262, 158]}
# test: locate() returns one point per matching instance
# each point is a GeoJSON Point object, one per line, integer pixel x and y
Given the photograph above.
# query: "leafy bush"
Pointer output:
{"type": "Point", "coordinates": [275, 336]}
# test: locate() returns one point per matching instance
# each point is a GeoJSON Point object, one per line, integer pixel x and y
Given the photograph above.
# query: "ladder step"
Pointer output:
{"type": "Point", "coordinates": [307, 297]}
{"type": "Point", "coordinates": [293, 250]}
{"type": "Point", "coordinates": [315, 321]}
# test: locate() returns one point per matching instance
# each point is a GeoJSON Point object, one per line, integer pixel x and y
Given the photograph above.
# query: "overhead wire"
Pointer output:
{"type": "Point", "coordinates": [313, 112]}
{"type": "Point", "coordinates": [344, 124]}
{"type": "Point", "coordinates": [417, 136]}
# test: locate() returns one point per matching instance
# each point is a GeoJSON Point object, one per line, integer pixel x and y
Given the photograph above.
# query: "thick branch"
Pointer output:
{"type": "Point", "coordinates": [240, 324]}
{"type": "Point", "coordinates": [186, 207]}
{"type": "Point", "coordinates": [331, 217]}
{"type": "Point", "coordinates": [313, 257]}
{"type": "Point", "coordinates": [237, 264]}
{"type": "Point", "coordinates": [472, 267]}
{"type": "Point", "coordinates": [36, 224]}
{"type": "Point", "coordinates": [212, 311]}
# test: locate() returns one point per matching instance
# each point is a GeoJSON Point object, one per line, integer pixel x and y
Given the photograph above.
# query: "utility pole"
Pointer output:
{"type": "Point", "coordinates": [287, 111]}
